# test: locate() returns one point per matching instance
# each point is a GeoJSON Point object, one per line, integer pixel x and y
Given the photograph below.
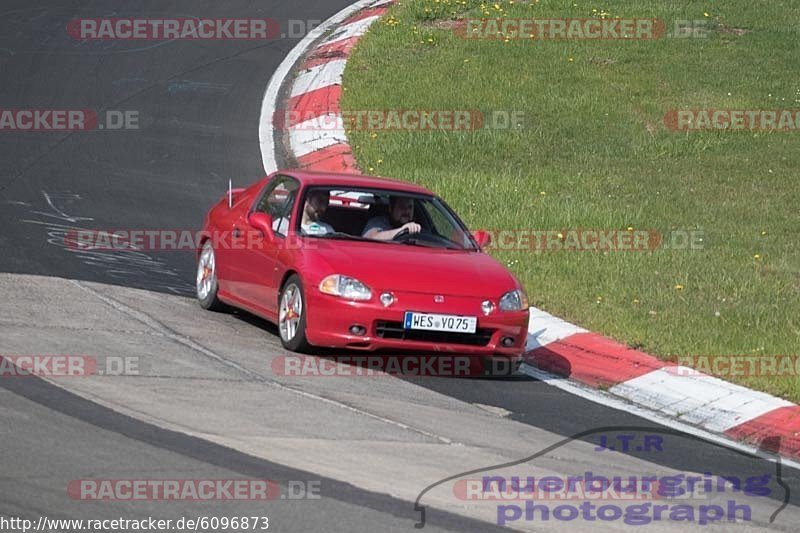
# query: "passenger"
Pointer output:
{"type": "Point", "coordinates": [316, 205]}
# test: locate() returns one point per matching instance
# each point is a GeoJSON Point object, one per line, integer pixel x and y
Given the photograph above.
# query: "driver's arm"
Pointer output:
{"type": "Point", "coordinates": [389, 234]}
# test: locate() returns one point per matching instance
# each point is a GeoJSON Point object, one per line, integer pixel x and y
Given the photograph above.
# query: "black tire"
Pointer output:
{"type": "Point", "coordinates": [207, 285]}
{"type": "Point", "coordinates": [293, 332]}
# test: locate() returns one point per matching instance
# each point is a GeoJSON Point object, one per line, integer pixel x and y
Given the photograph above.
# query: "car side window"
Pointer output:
{"type": "Point", "coordinates": [444, 226]}
{"type": "Point", "coordinates": [278, 201]}
{"type": "Point", "coordinates": [441, 226]}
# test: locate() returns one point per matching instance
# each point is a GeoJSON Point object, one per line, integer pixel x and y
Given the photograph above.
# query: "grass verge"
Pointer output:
{"type": "Point", "coordinates": [593, 152]}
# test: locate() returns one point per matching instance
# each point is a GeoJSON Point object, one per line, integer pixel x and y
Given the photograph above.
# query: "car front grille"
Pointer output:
{"type": "Point", "coordinates": [396, 331]}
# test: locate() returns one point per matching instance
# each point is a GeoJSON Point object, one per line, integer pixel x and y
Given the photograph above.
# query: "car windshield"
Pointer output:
{"type": "Point", "coordinates": [384, 216]}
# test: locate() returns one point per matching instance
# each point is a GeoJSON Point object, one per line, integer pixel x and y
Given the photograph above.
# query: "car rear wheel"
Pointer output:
{"type": "Point", "coordinates": [292, 316]}
{"type": "Point", "coordinates": [207, 284]}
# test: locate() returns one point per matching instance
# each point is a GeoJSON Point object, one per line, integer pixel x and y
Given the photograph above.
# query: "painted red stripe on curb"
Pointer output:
{"type": "Point", "coordinates": [336, 158]}
{"type": "Point", "coordinates": [593, 359]}
{"type": "Point", "coordinates": [312, 104]}
{"type": "Point", "coordinates": [311, 63]}
{"type": "Point", "coordinates": [777, 431]}
{"type": "Point", "coordinates": [329, 52]}
{"type": "Point", "coordinates": [371, 12]}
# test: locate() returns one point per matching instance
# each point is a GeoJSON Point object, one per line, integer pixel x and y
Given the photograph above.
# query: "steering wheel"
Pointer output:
{"type": "Point", "coordinates": [402, 236]}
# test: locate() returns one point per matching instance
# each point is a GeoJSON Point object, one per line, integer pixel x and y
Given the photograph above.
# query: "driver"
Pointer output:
{"type": "Point", "coordinates": [401, 216]}
{"type": "Point", "coordinates": [316, 205]}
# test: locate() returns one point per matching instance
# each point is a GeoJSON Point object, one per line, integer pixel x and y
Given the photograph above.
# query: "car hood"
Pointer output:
{"type": "Point", "coordinates": [406, 268]}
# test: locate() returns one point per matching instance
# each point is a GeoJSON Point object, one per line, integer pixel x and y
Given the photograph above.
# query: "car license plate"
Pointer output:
{"type": "Point", "coordinates": [434, 322]}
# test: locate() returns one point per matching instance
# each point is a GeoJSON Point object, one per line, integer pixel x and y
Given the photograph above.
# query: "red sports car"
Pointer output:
{"type": "Point", "coordinates": [360, 263]}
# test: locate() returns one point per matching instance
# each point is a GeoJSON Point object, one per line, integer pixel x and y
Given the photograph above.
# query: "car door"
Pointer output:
{"type": "Point", "coordinates": [226, 245]}
{"type": "Point", "coordinates": [258, 254]}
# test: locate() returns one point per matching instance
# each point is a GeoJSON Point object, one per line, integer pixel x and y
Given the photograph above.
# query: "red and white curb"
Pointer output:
{"type": "Point", "coordinates": [606, 371]}
{"type": "Point", "coordinates": [683, 394]}
{"type": "Point", "coordinates": [315, 93]}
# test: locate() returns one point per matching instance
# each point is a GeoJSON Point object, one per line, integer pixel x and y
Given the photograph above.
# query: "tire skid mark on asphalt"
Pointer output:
{"type": "Point", "coordinates": [187, 342]}
{"type": "Point", "coordinates": [59, 225]}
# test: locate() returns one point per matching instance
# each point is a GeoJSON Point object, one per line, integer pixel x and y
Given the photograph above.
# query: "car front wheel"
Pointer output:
{"type": "Point", "coordinates": [292, 316]}
{"type": "Point", "coordinates": [207, 284]}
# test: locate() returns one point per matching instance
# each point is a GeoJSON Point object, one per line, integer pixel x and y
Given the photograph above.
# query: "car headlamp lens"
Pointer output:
{"type": "Point", "coordinates": [515, 300]}
{"type": "Point", "coordinates": [345, 287]}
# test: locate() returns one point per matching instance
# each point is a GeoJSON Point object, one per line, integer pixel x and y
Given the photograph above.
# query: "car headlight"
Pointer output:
{"type": "Point", "coordinates": [345, 287]}
{"type": "Point", "coordinates": [515, 300]}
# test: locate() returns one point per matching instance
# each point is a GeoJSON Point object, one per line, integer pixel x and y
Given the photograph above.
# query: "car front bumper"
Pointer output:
{"type": "Point", "coordinates": [330, 319]}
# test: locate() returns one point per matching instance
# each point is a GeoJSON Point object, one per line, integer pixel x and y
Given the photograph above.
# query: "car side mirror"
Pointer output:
{"type": "Point", "coordinates": [263, 223]}
{"type": "Point", "coordinates": [482, 237]}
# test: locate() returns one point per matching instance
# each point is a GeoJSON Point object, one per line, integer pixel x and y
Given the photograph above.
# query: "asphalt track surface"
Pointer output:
{"type": "Point", "coordinates": [198, 105]}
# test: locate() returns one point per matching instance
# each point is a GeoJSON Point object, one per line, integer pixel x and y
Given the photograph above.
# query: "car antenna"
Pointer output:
{"type": "Point", "coordinates": [230, 194]}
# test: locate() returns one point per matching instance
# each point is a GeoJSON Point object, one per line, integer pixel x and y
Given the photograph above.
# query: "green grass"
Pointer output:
{"type": "Point", "coordinates": [594, 153]}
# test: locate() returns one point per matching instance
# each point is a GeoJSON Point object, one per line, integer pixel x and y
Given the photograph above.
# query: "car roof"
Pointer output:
{"type": "Point", "coordinates": [310, 178]}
